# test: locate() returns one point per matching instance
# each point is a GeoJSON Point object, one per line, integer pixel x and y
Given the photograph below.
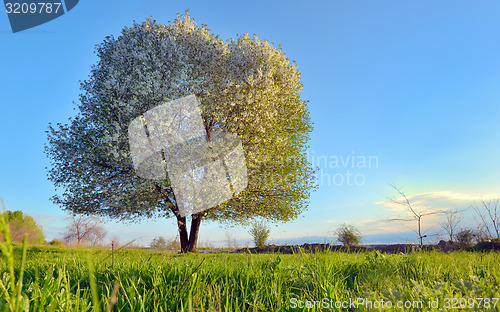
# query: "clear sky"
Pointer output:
{"type": "Point", "coordinates": [408, 89]}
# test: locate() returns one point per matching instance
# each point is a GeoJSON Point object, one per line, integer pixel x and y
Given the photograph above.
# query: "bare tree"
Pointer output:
{"type": "Point", "coordinates": [451, 222]}
{"type": "Point", "coordinates": [489, 215]}
{"type": "Point", "coordinates": [159, 242]}
{"type": "Point", "coordinates": [415, 215]}
{"type": "Point", "coordinates": [230, 240]}
{"type": "Point", "coordinates": [116, 242]}
{"type": "Point", "coordinates": [84, 229]}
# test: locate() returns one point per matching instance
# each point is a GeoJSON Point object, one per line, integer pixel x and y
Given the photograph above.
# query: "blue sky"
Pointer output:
{"type": "Point", "coordinates": [411, 84]}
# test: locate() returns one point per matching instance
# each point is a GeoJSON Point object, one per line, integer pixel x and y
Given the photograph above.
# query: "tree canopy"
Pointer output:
{"type": "Point", "coordinates": [245, 86]}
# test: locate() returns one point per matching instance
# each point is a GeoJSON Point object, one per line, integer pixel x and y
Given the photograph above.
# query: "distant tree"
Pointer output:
{"type": "Point", "coordinates": [116, 242]}
{"type": "Point", "coordinates": [20, 224]}
{"type": "Point", "coordinates": [489, 217]}
{"type": "Point", "coordinates": [206, 244]}
{"type": "Point", "coordinates": [451, 222]}
{"type": "Point", "coordinates": [175, 244]}
{"type": "Point", "coordinates": [246, 86]}
{"type": "Point", "coordinates": [415, 215]}
{"type": "Point", "coordinates": [260, 232]}
{"type": "Point", "coordinates": [465, 238]}
{"type": "Point", "coordinates": [84, 229]}
{"type": "Point", "coordinates": [230, 240]}
{"type": "Point", "coordinates": [348, 235]}
{"type": "Point", "coordinates": [159, 243]}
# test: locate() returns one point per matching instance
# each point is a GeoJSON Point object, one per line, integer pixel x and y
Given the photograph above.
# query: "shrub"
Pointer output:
{"type": "Point", "coordinates": [465, 238]}
{"type": "Point", "coordinates": [174, 245]}
{"type": "Point", "coordinates": [159, 243]}
{"type": "Point", "coordinates": [21, 224]}
{"type": "Point", "coordinates": [348, 235]}
{"type": "Point", "coordinates": [56, 242]}
{"type": "Point", "coordinates": [260, 232]}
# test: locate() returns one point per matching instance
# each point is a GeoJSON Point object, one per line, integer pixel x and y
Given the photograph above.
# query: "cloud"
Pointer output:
{"type": "Point", "coordinates": [456, 196]}
{"type": "Point", "coordinates": [395, 206]}
{"type": "Point", "coordinates": [377, 226]}
{"type": "Point", "coordinates": [39, 217]}
{"type": "Point", "coordinates": [374, 226]}
{"type": "Point", "coordinates": [331, 221]}
{"type": "Point", "coordinates": [442, 200]}
{"type": "Point", "coordinates": [446, 195]}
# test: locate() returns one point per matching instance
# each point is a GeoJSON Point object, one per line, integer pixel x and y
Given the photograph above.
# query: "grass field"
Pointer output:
{"type": "Point", "coordinates": [82, 279]}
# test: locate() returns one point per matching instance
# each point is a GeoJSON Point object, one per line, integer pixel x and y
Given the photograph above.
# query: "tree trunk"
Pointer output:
{"type": "Point", "coordinates": [183, 234]}
{"type": "Point", "coordinates": [182, 228]}
{"type": "Point", "coordinates": [420, 233]}
{"type": "Point", "coordinates": [193, 235]}
{"type": "Point", "coordinates": [188, 243]}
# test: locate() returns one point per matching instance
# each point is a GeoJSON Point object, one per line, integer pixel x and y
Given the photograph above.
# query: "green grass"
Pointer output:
{"type": "Point", "coordinates": [81, 279]}
{"type": "Point", "coordinates": [57, 278]}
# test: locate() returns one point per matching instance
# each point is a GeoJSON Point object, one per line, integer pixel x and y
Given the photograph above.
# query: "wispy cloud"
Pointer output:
{"type": "Point", "coordinates": [445, 195]}
{"type": "Point", "coordinates": [39, 217]}
{"type": "Point", "coordinates": [443, 200]}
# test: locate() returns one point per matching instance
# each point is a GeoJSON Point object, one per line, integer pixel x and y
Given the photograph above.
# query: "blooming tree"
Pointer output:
{"type": "Point", "coordinates": [245, 86]}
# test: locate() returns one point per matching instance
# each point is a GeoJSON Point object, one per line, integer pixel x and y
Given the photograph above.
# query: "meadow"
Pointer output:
{"type": "Point", "coordinates": [60, 278]}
